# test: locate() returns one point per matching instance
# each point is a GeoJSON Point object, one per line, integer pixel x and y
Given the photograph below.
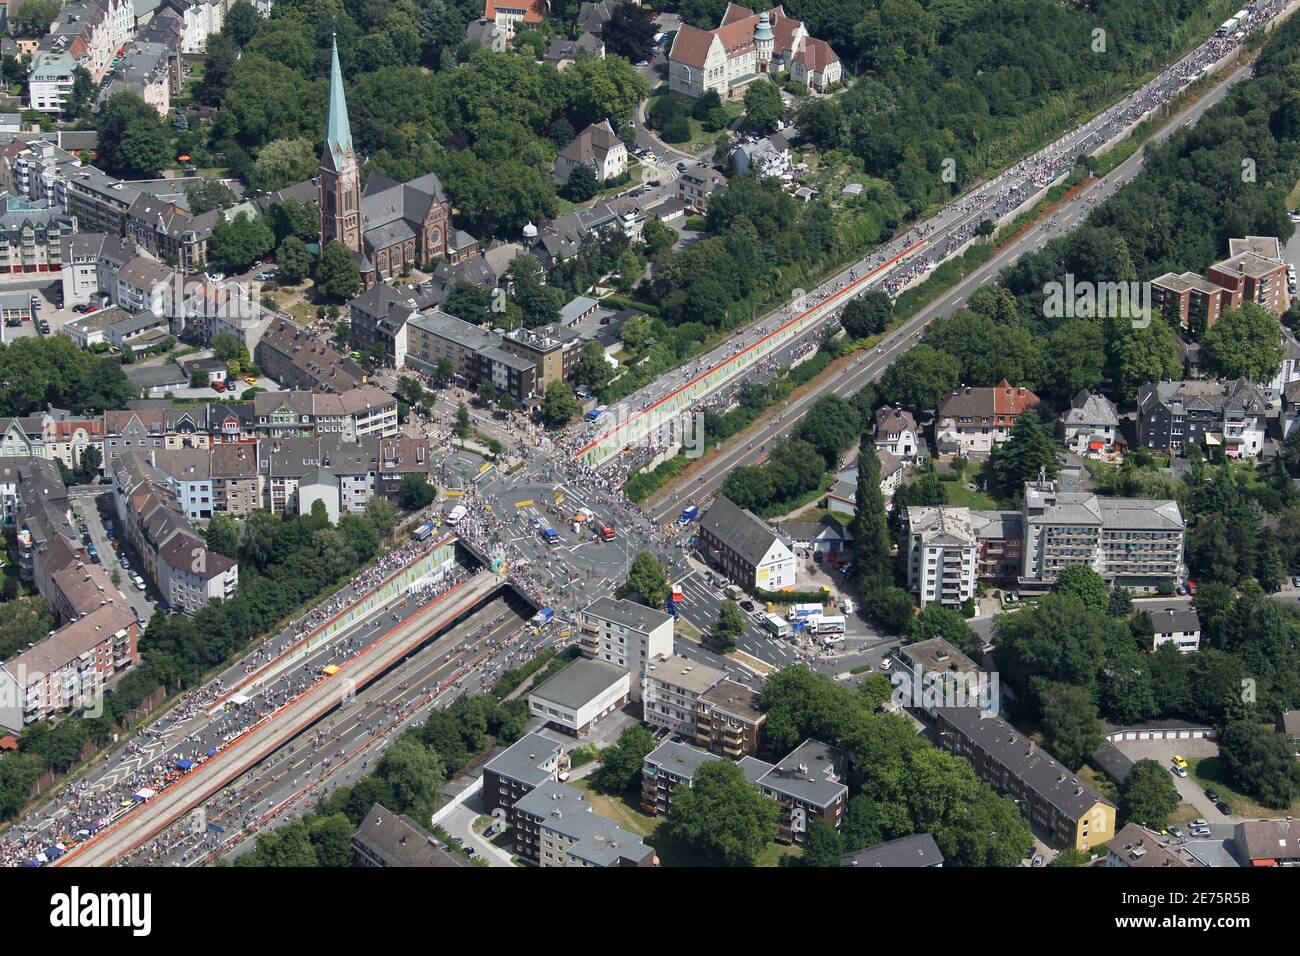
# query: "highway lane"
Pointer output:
{"type": "Point", "coordinates": [752, 448]}
{"type": "Point", "coordinates": [643, 416]}
{"type": "Point", "coordinates": [347, 741]}
{"type": "Point", "coordinates": [275, 730]}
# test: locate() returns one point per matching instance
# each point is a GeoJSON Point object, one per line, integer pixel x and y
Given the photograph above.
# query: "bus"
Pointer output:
{"type": "Point", "coordinates": [423, 531]}
{"type": "Point", "coordinates": [805, 610]}
{"type": "Point", "coordinates": [456, 514]}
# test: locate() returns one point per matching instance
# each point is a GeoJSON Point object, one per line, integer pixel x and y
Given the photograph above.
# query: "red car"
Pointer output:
{"type": "Point", "coordinates": [219, 386]}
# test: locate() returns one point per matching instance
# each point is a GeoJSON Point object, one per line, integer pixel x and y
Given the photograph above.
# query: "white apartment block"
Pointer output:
{"type": "Point", "coordinates": [671, 691]}
{"type": "Point", "coordinates": [942, 553]}
{"type": "Point", "coordinates": [626, 634]}
{"type": "Point", "coordinates": [1132, 542]}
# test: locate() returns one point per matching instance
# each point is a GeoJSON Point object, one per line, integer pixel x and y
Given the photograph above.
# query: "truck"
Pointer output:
{"type": "Point", "coordinates": [689, 514]}
{"type": "Point", "coordinates": [423, 531]}
{"type": "Point", "coordinates": [595, 413]}
{"type": "Point", "coordinates": [543, 617]}
{"type": "Point", "coordinates": [805, 610]}
{"type": "Point", "coordinates": [606, 531]}
{"type": "Point", "coordinates": [824, 624]}
{"type": "Point", "coordinates": [732, 592]}
{"type": "Point", "coordinates": [549, 534]}
{"type": "Point", "coordinates": [1226, 28]}
{"type": "Point", "coordinates": [456, 514]}
{"type": "Point", "coordinates": [776, 626]}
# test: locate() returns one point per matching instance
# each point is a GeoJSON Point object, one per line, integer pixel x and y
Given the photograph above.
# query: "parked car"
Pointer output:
{"type": "Point", "coordinates": [1178, 771]}
{"type": "Point", "coordinates": [1200, 823]}
{"type": "Point", "coordinates": [1223, 808]}
{"type": "Point", "coordinates": [1176, 831]}
{"type": "Point", "coordinates": [1180, 761]}
{"type": "Point", "coordinates": [1038, 859]}
{"type": "Point", "coordinates": [1212, 795]}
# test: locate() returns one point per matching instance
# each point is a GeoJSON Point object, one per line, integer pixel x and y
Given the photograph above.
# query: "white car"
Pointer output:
{"type": "Point", "coordinates": [216, 276]}
{"type": "Point", "coordinates": [1178, 771]}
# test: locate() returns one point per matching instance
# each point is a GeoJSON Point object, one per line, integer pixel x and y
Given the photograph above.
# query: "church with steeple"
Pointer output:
{"type": "Point", "coordinates": [389, 226]}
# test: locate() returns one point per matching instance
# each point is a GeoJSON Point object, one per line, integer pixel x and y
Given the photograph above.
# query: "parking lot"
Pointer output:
{"type": "Point", "coordinates": [1189, 791]}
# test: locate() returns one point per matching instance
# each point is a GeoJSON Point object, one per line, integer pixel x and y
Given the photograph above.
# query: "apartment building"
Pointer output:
{"type": "Point", "coordinates": [1000, 544]}
{"type": "Point", "coordinates": [745, 548]}
{"type": "Point", "coordinates": [144, 69]}
{"type": "Point", "coordinates": [475, 355]}
{"type": "Point", "coordinates": [522, 767]}
{"type": "Point", "coordinates": [236, 485]}
{"type": "Point", "coordinates": [1172, 416]}
{"type": "Point", "coordinates": [357, 413]}
{"type": "Point", "coordinates": [625, 634]}
{"type": "Point", "coordinates": [808, 785]}
{"type": "Point", "coordinates": [917, 850]}
{"type": "Point", "coordinates": [1136, 847]}
{"type": "Point", "coordinates": [385, 838]}
{"type": "Point", "coordinates": [555, 826]}
{"type": "Point", "coordinates": [1267, 843]}
{"type": "Point", "coordinates": [378, 317]}
{"type": "Point", "coordinates": [1132, 542]}
{"type": "Point", "coordinates": [1061, 808]}
{"type": "Point", "coordinates": [728, 720]}
{"type": "Point", "coordinates": [597, 147]}
{"type": "Point", "coordinates": [942, 555]}
{"type": "Point", "coordinates": [697, 184]}
{"type": "Point", "coordinates": [172, 552]}
{"type": "Point", "coordinates": [671, 692]}
{"type": "Point", "coordinates": [298, 360]}
{"type": "Point", "coordinates": [664, 769]}
{"type": "Point", "coordinates": [32, 235]}
{"type": "Point", "coordinates": [1254, 271]}
{"type": "Point", "coordinates": [974, 420]}
{"type": "Point", "coordinates": [69, 668]}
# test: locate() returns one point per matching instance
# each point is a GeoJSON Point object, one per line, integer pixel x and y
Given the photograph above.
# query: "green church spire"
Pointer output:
{"type": "Point", "coordinates": [338, 132]}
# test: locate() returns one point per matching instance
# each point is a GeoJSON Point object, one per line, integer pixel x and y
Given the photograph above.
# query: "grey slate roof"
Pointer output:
{"type": "Point", "coordinates": [577, 684]}
{"type": "Point", "coordinates": [678, 760]}
{"type": "Point", "coordinates": [740, 530]}
{"type": "Point", "coordinates": [919, 849]}
{"type": "Point", "coordinates": [396, 840]}
{"type": "Point", "coordinates": [599, 841]}
{"type": "Point", "coordinates": [811, 773]}
{"type": "Point", "coordinates": [522, 760]}
{"type": "Point", "coordinates": [629, 614]}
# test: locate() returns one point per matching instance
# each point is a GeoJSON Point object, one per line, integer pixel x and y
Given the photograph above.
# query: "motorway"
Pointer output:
{"type": "Point", "coordinates": [707, 477]}
{"type": "Point", "coordinates": [346, 742]}
{"type": "Point", "coordinates": [904, 260]}
{"type": "Point", "coordinates": [188, 729]}
{"type": "Point", "coordinates": [303, 709]}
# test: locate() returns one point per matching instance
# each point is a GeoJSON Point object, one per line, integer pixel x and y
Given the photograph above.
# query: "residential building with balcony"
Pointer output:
{"type": "Point", "coordinates": [808, 785]}
{"type": "Point", "coordinates": [671, 692]}
{"type": "Point", "coordinates": [942, 552]}
{"type": "Point", "coordinates": [728, 720]}
{"type": "Point", "coordinates": [518, 770]}
{"type": "Point", "coordinates": [664, 769]}
{"type": "Point", "coordinates": [555, 826]}
{"type": "Point", "coordinates": [625, 634]}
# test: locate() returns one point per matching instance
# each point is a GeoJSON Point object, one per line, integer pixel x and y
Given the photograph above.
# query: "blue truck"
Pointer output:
{"type": "Point", "coordinates": [549, 534]}
{"type": "Point", "coordinates": [543, 617]}
{"type": "Point", "coordinates": [423, 531]}
{"type": "Point", "coordinates": [689, 514]}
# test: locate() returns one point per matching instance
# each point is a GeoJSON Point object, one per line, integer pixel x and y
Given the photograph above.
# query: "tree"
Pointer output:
{"type": "Point", "coordinates": [728, 627]}
{"type": "Point", "coordinates": [1148, 795]}
{"type": "Point", "coordinates": [1244, 343]}
{"type": "Point", "coordinates": [823, 846]}
{"type": "Point", "coordinates": [462, 427]}
{"type": "Point", "coordinates": [763, 106]}
{"type": "Point", "coordinates": [414, 773]}
{"type": "Point", "coordinates": [722, 819]}
{"type": "Point", "coordinates": [1070, 857]}
{"type": "Point", "coordinates": [935, 620]}
{"type": "Point", "coordinates": [241, 22]}
{"type": "Point", "coordinates": [648, 579]}
{"type": "Point", "coordinates": [621, 764]}
{"type": "Point", "coordinates": [293, 259]}
{"type": "Point", "coordinates": [581, 185]}
{"type": "Point", "coordinates": [208, 193]}
{"type": "Point", "coordinates": [867, 314]}
{"type": "Point", "coordinates": [237, 243]}
{"type": "Point", "coordinates": [132, 141]}
{"type": "Point", "coordinates": [593, 370]}
{"type": "Point", "coordinates": [630, 32]}
{"type": "Point", "coordinates": [382, 515]}
{"type": "Point", "coordinates": [920, 377]}
{"type": "Point", "coordinates": [1071, 729]}
{"type": "Point", "coordinates": [337, 274]}
{"type": "Point", "coordinates": [283, 162]}
{"type": "Point", "coordinates": [34, 17]}
{"type": "Point", "coordinates": [558, 405]}
{"type": "Point", "coordinates": [1082, 582]}
{"type": "Point", "coordinates": [415, 492]}
{"type": "Point", "coordinates": [91, 462]}
{"type": "Point", "coordinates": [1142, 355]}
{"type": "Point", "coordinates": [1261, 762]}
{"type": "Point", "coordinates": [1028, 453]}
{"type": "Point", "coordinates": [657, 237]}
{"type": "Point", "coordinates": [289, 217]}
{"type": "Point", "coordinates": [870, 526]}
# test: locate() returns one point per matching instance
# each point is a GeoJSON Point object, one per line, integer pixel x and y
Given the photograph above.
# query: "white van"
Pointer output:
{"type": "Point", "coordinates": [455, 515]}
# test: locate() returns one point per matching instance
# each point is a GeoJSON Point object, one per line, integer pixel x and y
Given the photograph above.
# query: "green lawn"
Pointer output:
{"type": "Point", "coordinates": [626, 812]}
{"type": "Point", "coordinates": [1210, 772]}
{"type": "Point", "coordinates": [958, 494]}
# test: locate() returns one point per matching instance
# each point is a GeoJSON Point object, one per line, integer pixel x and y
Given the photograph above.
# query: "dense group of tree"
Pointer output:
{"type": "Point", "coordinates": [39, 371]}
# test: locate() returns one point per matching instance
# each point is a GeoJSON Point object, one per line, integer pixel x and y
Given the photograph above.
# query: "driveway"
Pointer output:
{"type": "Point", "coordinates": [1188, 790]}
